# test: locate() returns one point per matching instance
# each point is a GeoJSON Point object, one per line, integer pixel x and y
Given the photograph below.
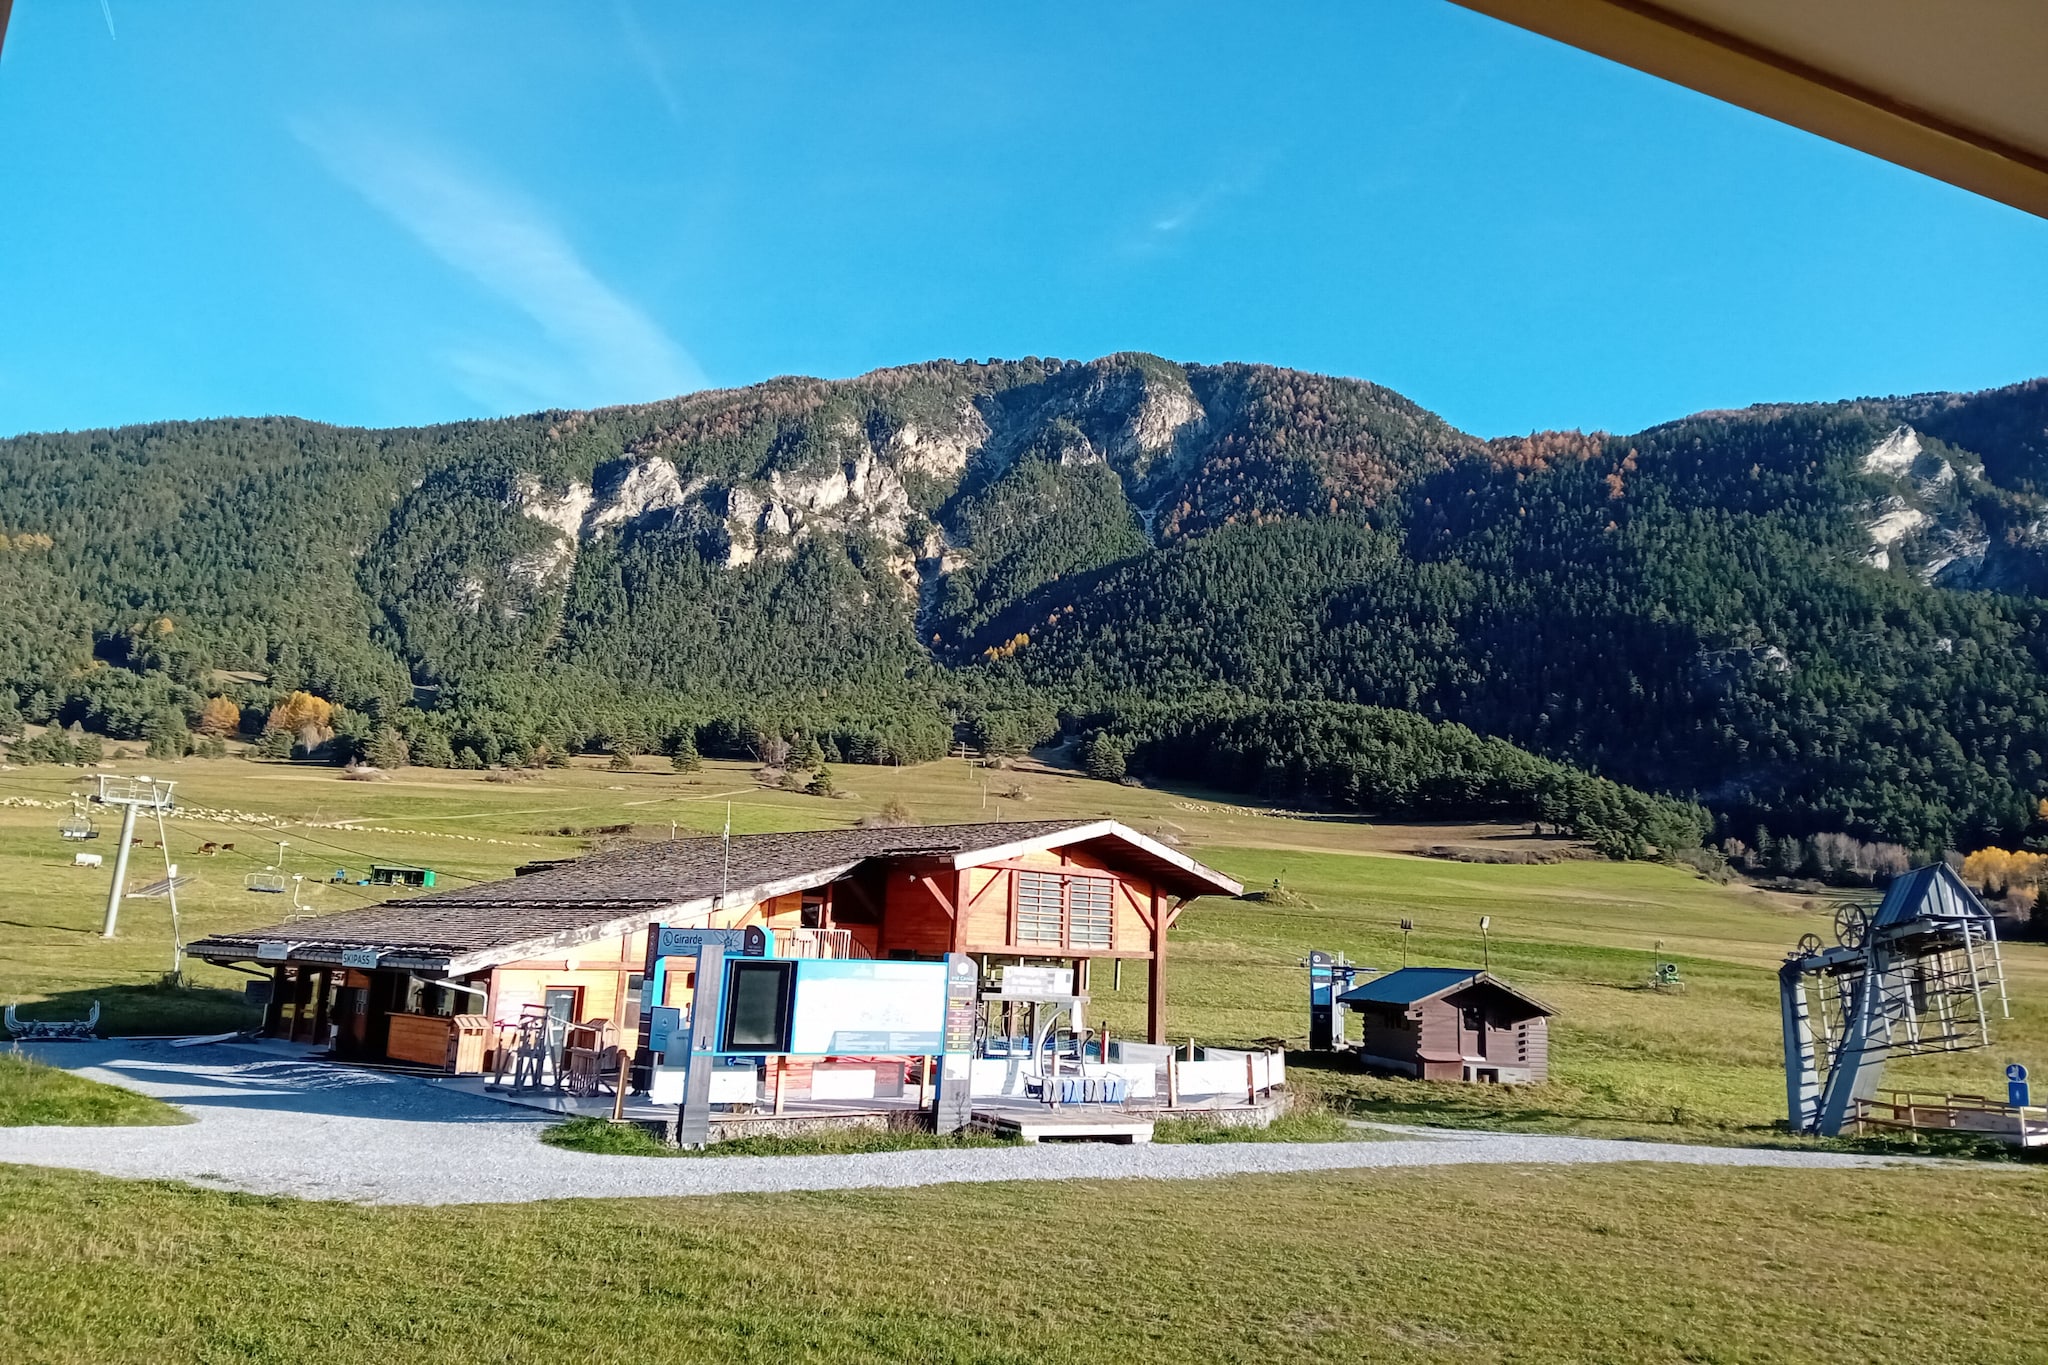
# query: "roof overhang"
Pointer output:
{"type": "Point", "coordinates": [1951, 88]}
{"type": "Point", "coordinates": [679, 913]}
{"type": "Point", "coordinates": [324, 952]}
{"type": "Point", "coordinates": [1177, 872]}
{"type": "Point", "coordinates": [1185, 875]}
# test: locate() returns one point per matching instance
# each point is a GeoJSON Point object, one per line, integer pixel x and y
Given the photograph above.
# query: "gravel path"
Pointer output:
{"type": "Point", "coordinates": [272, 1124]}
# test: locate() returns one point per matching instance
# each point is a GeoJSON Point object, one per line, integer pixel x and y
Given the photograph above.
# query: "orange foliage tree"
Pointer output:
{"type": "Point", "coordinates": [219, 717]}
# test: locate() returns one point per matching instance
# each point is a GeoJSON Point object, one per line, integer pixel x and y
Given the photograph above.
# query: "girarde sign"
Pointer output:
{"type": "Point", "coordinates": [273, 950]}
{"type": "Point", "coordinates": [751, 941]}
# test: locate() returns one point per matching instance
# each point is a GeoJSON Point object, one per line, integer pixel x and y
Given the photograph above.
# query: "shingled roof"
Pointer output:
{"type": "Point", "coordinates": [605, 894]}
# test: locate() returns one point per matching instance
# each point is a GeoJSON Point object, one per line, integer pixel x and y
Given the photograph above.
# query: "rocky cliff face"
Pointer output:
{"type": "Point", "coordinates": [1940, 519]}
{"type": "Point", "coordinates": [961, 487]}
{"type": "Point", "coordinates": [900, 459]}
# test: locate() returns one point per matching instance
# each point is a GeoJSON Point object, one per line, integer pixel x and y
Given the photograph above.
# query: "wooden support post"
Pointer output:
{"type": "Point", "coordinates": [1172, 1081]}
{"type": "Point", "coordinates": [619, 1085]}
{"type": "Point", "coordinates": [957, 907]}
{"type": "Point", "coordinates": [273, 1009]}
{"type": "Point", "coordinates": [1155, 1004]}
{"type": "Point", "coordinates": [781, 1066]}
{"type": "Point", "coordinates": [302, 1000]}
{"type": "Point", "coordinates": [1251, 1079]}
{"type": "Point", "coordinates": [323, 981]}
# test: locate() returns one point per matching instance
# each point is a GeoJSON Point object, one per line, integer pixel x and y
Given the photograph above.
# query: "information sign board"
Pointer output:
{"type": "Point", "coordinates": [273, 950]}
{"type": "Point", "coordinates": [962, 991]}
{"type": "Point", "coordinates": [1047, 981]}
{"type": "Point", "coordinates": [362, 959]}
{"type": "Point", "coordinates": [857, 1008]}
{"type": "Point", "coordinates": [664, 1027]}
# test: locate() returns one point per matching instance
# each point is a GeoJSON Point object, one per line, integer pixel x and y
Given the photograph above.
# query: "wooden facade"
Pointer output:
{"type": "Point", "coordinates": [1069, 892]}
{"type": "Point", "coordinates": [1451, 1024]}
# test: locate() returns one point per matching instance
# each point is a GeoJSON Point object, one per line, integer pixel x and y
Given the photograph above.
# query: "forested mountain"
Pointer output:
{"type": "Point", "coordinates": [1809, 618]}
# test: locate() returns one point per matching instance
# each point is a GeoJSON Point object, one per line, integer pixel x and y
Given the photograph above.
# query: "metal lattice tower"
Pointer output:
{"type": "Point", "coordinates": [1919, 976]}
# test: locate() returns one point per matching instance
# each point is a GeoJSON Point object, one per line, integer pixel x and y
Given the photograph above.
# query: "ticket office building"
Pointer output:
{"type": "Point", "coordinates": [402, 981]}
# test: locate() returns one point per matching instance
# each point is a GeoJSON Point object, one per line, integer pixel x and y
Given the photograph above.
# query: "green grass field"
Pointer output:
{"type": "Point", "coordinates": [1625, 1264]}
{"type": "Point", "coordinates": [31, 1093]}
{"type": "Point", "coordinates": [1582, 935]}
{"type": "Point", "coordinates": [1466, 1265]}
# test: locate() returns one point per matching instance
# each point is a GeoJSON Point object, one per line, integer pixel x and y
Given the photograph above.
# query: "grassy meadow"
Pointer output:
{"type": "Point", "coordinates": [1630, 1263]}
{"type": "Point", "coordinates": [1580, 934]}
{"type": "Point", "coordinates": [1625, 1264]}
{"type": "Point", "coordinates": [34, 1094]}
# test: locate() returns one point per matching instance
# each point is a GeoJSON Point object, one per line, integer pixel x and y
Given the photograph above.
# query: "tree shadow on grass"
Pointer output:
{"type": "Point", "coordinates": [128, 1009]}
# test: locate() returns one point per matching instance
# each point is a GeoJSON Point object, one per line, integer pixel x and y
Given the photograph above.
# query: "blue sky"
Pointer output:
{"type": "Point", "coordinates": [390, 213]}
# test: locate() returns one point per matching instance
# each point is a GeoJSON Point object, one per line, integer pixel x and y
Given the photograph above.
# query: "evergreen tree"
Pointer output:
{"type": "Point", "coordinates": [387, 749]}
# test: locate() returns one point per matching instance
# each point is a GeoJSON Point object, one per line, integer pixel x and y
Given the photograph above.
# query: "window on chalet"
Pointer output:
{"type": "Point", "coordinates": [1088, 912]}
{"type": "Point", "coordinates": [1065, 911]}
{"type": "Point", "coordinates": [1038, 908]}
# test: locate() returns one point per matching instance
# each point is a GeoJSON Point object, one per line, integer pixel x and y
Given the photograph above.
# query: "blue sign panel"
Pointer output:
{"type": "Point", "coordinates": [664, 1027]}
{"type": "Point", "coordinates": [2015, 1072]}
{"type": "Point", "coordinates": [748, 942]}
{"type": "Point", "coordinates": [2018, 1094]}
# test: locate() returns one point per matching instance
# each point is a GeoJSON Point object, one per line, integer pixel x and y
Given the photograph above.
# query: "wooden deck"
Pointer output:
{"type": "Point", "coordinates": [1075, 1123]}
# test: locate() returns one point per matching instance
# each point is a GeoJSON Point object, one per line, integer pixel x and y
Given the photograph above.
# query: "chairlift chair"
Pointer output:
{"type": "Point", "coordinates": [270, 882]}
{"type": "Point", "coordinates": [80, 825]}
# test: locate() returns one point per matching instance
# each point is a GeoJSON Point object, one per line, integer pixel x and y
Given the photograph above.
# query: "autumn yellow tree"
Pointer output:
{"type": "Point", "coordinates": [219, 717]}
{"type": "Point", "coordinates": [1998, 870]}
{"type": "Point", "coordinates": [300, 712]}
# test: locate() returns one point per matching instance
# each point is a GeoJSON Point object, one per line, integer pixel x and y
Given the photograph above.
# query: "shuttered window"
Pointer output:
{"type": "Point", "coordinates": [1088, 914]}
{"type": "Point", "coordinates": [1038, 908]}
{"type": "Point", "coordinates": [1072, 912]}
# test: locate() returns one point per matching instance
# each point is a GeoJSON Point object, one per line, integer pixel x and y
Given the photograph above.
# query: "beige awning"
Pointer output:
{"type": "Point", "coordinates": [1956, 89]}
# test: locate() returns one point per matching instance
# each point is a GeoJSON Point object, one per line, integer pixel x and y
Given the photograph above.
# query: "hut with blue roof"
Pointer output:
{"type": "Point", "coordinates": [1452, 1024]}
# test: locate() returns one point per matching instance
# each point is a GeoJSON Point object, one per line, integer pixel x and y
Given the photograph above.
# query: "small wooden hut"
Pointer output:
{"type": "Point", "coordinates": [1452, 1024]}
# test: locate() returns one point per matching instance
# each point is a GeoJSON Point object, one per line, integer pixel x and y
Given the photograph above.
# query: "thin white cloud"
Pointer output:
{"type": "Point", "coordinates": [651, 61]}
{"type": "Point", "coordinates": [601, 347]}
{"type": "Point", "coordinates": [1180, 217]}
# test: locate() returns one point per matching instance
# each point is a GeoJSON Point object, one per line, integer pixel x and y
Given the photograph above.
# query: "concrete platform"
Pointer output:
{"type": "Point", "coordinates": [797, 1115]}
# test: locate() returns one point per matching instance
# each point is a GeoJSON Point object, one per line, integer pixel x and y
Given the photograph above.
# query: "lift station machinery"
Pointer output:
{"type": "Point", "coordinates": [1921, 975]}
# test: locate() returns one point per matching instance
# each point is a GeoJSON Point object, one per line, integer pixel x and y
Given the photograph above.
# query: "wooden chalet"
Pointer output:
{"type": "Point", "coordinates": [391, 981]}
{"type": "Point", "coordinates": [1452, 1024]}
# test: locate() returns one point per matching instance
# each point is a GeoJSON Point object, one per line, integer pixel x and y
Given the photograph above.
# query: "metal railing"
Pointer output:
{"type": "Point", "coordinates": [825, 943]}
{"type": "Point", "coordinates": [1923, 1111]}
